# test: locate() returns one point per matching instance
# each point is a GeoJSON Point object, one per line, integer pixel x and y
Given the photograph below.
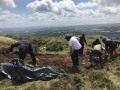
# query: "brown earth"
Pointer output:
{"type": "Point", "coordinates": [61, 63]}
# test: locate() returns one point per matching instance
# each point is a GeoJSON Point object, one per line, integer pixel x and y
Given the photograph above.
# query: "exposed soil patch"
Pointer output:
{"type": "Point", "coordinates": [61, 63]}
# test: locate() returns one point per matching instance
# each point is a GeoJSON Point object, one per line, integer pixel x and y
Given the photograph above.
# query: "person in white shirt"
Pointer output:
{"type": "Point", "coordinates": [98, 47]}
{"type": "Point", "coordinates": [75, 49]}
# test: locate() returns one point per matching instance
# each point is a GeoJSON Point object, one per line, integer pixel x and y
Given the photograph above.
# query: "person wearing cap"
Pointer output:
{"type": "Point", "coordinates": [24, 47]}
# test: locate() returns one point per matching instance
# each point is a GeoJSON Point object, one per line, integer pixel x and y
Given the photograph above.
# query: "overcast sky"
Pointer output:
{"type": "Point", "coordinates": [23, 13]}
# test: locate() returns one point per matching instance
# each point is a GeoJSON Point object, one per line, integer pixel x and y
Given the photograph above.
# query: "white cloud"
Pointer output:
{"type": "Point", "coordinates": [108, 7]}
{"type": "Point", "coordinates": [54, 7]}
{"type": "Point", "coordinates": [64, 8]}
{"type": "Point", "coordinates": [49, 11]}
{"type": "Point", "coordinates": [44, 5]}
{"type": "Point", "coordinates": [67, 5]}
{"type": "Point", "coordinates": [108, 2]}
{"type": "Point", "coordinates": [83, 5]}
{"type": "Point", "coordinates": [7, 3]}
{"type": "Point", "coordinates": [7, 16]}
{"type": "Point", "coordinates": [108, 10]}
{"type": "Point", "coordinates": [67, 9]}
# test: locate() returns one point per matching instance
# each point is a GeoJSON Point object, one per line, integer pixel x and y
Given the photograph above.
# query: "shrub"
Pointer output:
{"type": "Point", "coordinates": [54, 45]}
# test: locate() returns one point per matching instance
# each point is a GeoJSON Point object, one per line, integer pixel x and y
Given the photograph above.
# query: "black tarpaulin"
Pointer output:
{"type": "Point", "coordinates": [15, 70]}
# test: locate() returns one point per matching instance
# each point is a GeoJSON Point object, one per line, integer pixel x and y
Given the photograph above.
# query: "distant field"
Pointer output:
{"type": "Point", "coordinates": [109, 30]}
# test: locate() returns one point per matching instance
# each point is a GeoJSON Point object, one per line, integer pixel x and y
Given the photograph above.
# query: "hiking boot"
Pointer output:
{"type": "Point", "coordinates": [33, 63]}
{"type": "Point", "coordinates": [75, 69]}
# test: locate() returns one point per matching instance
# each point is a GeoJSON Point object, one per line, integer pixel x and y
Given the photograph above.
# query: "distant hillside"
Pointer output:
{"type": "Point", "coordinates": [109, 30]}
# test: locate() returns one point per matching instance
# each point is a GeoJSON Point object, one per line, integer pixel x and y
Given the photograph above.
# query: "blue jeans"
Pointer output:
{"type": "Point", "coordinates": [111, 53]}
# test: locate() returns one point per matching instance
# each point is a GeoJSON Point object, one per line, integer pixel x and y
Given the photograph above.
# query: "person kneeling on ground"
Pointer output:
{"type": "Point", "coordinates": [24, 47]}
{"type": "Point", "coordinates": [97, 50]}
{"type": "Point", "coordinates": [96, 42]}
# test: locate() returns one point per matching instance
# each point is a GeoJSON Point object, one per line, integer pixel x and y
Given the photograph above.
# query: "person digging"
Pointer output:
{"type": "Point", "coordinates": [24, 47]}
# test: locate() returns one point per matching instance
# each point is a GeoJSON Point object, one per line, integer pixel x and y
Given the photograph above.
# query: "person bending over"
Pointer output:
{"type": "Point", "coordinates": [97, 50]}
{"type": "Point", "coordinates": [75, 48]}
{"type": "Point", "coordinates": [110, 46]}
{"type": "Point", "coordinates": [24, 47]}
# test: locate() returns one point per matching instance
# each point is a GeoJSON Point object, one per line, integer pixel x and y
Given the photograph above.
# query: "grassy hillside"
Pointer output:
{"type": "Point", "coordinates": [106, 79]}
{"type": "Point", "coordinates": [92, 79]}
{"type": "Point", "coordinates": [5, 41]}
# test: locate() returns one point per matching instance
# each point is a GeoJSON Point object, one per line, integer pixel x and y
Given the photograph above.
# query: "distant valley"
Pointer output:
{"type": "Point", "coordinates": [110, 30]}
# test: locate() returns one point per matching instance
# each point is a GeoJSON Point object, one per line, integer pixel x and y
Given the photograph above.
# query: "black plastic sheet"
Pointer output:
{"type": "Point", "coordinates": [17, 71]}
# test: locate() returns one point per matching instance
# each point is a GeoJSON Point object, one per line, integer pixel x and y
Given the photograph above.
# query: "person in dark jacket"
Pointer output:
{"type": "Point", "coordinates": [24, 47]}
{"type": "Point", "coordinates": [82, 42]}
{"type": "Point", "coordinates": [109, 46]}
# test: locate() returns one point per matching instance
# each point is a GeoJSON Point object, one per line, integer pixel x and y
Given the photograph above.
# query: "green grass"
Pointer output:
{"type": "Point", "coordinates": [100, 80]}
{"type": "Point", "coordinates": [70, 82]}
{"type": "Point", "coordinates": [7, 84]}
{"type": "Point", "coordinates": [104, 79]}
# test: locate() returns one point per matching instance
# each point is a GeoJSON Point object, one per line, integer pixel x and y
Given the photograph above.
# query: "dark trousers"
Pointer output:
{"type": "Point", "coordinates": [82, 48]}
{"type": "Point", "coordinates": [74, 57]}
{"type": "Point", "coordinates": [99, 54]}
{"type": "Point", "coordinates": [111, 53]}
{"type": "Point", "coordinates": [81, 51]}
{"type": "Point", "coordinates": [22, 54]}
